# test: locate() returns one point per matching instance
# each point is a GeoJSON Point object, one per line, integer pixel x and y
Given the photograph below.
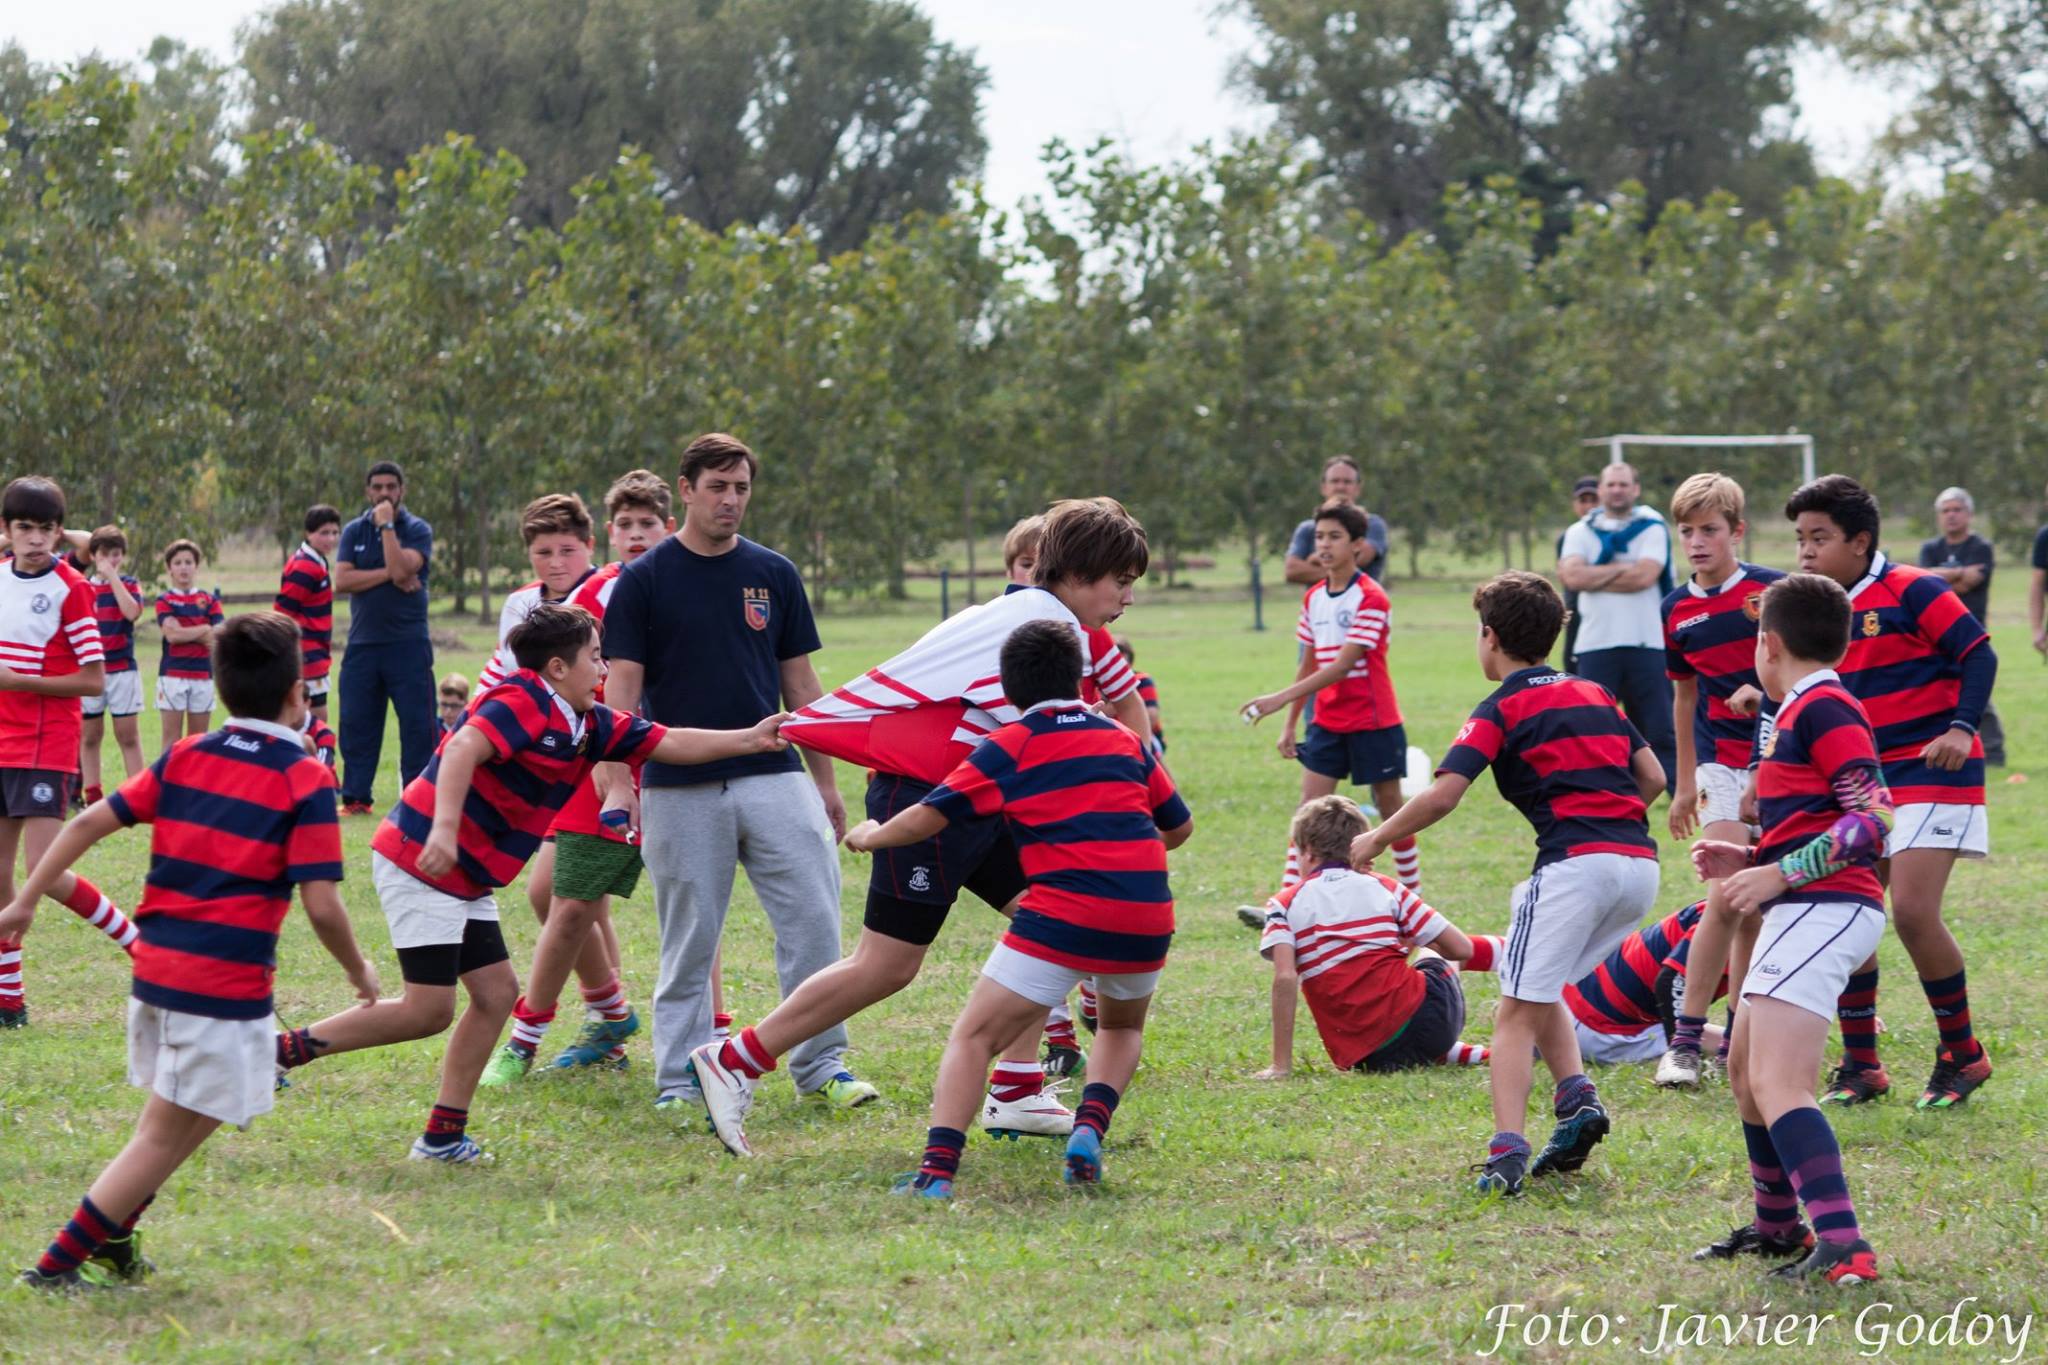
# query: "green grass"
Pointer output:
{"type": "Point", "coordinates": [1322, 1216]}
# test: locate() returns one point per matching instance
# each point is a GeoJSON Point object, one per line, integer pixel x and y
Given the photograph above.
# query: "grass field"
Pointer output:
{"type": "Point", "coordinates": [1320, 1216]}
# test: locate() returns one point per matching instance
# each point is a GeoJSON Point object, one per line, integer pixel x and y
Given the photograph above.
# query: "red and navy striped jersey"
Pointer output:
{"type": "Point", "coordinates": [1560, 751]}
{"type": "Point", "coordinates": [1910, 642]}
{"type": "Point", "coordinates": [117, 632]}
{"type": "Point", "coordinates": [1362, 699]}
{"type": "Point", "coordinates": [199, 607]}
{"type": "Point", "coordinates": [1819, 733]}
{"type": "Point", "coordinates": [1710, 634]}
{"type": "Point", "coordinates": [47, 630]}
{"type": "Point", "coordinates": [580, 814]}
{"type": "Point", "coordinates": [541, 752]}
{"type": "Point", "coordinates": [241, 816]}
{"type": "Point", "coordinates": [306, 594]}
{"type": "Point", "coordinates": [1620, 994]}
{"type": "Point", "coordinates": [1148, 692]}
{"type": "Point", "coordinates": [1085, 803]}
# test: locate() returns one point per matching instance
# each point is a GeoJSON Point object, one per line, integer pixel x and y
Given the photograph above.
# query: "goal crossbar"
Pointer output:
{"type": "Point", "coordinates": [1616, 444]}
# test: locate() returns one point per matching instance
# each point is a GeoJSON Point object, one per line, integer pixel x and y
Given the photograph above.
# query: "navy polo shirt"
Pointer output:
{"type": "Point", "coordinates": [384, 615]}
{"type": "Point", "coordinates": [712, 632]}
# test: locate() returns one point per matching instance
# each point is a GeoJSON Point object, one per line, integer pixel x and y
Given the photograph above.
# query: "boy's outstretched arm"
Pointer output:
{"type": "Point", "coordinates": [702, 746]}
{"type": "Point", "coordinates": [70, 845]}
{"type": "Point", "coordinates": [1440, 800]}
{"type": "Point", "coordinates": [912, 826]}
{"type": "Point", "coordinates": [1286, 998]}
{"type": "Point", "coordinates": [330, 921]}
{"type": "Point", "coordinates": [1308, 681]}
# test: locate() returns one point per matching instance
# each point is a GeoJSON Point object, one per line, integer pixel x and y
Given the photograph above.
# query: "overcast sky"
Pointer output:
{"type": "Point", "coordinates": [1148, 73]}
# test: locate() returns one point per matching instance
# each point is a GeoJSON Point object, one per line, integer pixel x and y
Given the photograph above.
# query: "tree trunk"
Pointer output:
{"type": "Point", "coordinates": [458, 558]}
{"type": "Point", "coordinates": [1528, 546]}
{"type": "Point", "coordinates": [481, 511]}
{"type": "Point", "coordinates": [1507, 549]}
{"type": "Point", "coordinates": [1415, 539]}
{"type": "Point", "coordinates": [967, 527]}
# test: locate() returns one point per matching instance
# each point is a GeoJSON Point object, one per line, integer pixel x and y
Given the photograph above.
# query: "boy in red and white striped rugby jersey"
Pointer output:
{"type": "Point", "coordinates": [1341, 938]}
{"type": "Point", "coordinates": [466, 826]}
{"type": "Point", "coordinates": [239, 818]}
{"type": "Point", "coordinates": [50, 657]}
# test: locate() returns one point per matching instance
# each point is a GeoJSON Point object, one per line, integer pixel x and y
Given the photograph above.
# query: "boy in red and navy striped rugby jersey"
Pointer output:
{"type": "Point", "coordinates": [187, 617]}
{"type": "Point", "coordinates": [117, 602]}
{"type": "Point", "coordinates": [1922, 666]}
{"type": "Point", "coordinates": [1710, 656]}
{"type": "Point", "coordinates": [466, 826]}
{"type": "Point", "coordinates": [305, 593]}
{"type": "Point", "coordinates": [1093, 814]}
{"type": "Point", "coordinates": [239, 818]}
{"type": "Point", "coordinates": [1340, 940]}
{"type": "Point", "coordinates": [1563, 754]}
{"type": "Point", "coordinates": [1812, 879]}
{"type": "Point", "coordinates": [50, 658]}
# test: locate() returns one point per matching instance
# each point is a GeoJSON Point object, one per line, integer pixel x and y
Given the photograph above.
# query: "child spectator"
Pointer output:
{"type": "Point", "coordinates": [187, 616]}
{"type": "Point", "coordinates": [1080, 793]}
{"type": "Point", "coordinates": [1340, 939]}
{"type": "Point", "coordinates": [305, 593]}
{"type": "Point", "coordinates": [454, 691]}
{"type": "Point", "coordinates": [1826, 813]}
{"type": "Point", "coordinates": [117, 601]}
{"type": "Point", "coordinates": [1563, 754]}
{"type": "Point", "coordinates": [248, 807]}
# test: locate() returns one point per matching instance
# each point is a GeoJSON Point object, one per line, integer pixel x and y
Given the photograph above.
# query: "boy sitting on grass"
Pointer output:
{"type": "Point", "coordinates": [1341, 939]}
{"type": "Point", "coordinates": [1093, 814]}
{"type": "Point", "coordinates": [241, 816]}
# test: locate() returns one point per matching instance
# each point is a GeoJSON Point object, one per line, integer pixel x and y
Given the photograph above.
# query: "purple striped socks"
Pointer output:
{"type": "Point", "coordinates": [1777, 1208]}
{"type": "Point", "coordinates": [1808, 1153]}
{"type": "Point", "coordinates": [1857, 1012]}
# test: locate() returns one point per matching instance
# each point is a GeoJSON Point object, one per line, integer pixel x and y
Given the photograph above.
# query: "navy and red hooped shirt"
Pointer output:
{"type": "Point", "coordinates": [1560, 750]}
{"type": "Point", "coordinates": [1085, 802]}
{"type": "Point", "coordinates": [541, 752]}
{"type": "Point", "coordinates": [117, 632]}
{"type": "Point", "coordinates": [240, 817]}
{"type": "Point", "coordinates": [306, 594]}
{"type": "Point", "coordinates": [1820, 732]}
{"type": "Point", "coordinates": [199, 607]}
{"type": "Point", "coordinates": [1710, 634]}
{"type": "Point", "coordinates": [1620, 994]}
{"type": "Point", "coordinates": [1918, 660]}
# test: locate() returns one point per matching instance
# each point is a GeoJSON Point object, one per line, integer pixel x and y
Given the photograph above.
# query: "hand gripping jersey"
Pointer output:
{"type": "Point", "coordinates": [305, 593]}
{"type": "Point", "coordinates": [921, 713]}
{"type": "Point", "coordinates": [1819, 779]}
{"type": "Point", "coordinates": [1362, 699]}
{"type": "Point", "coordinates": [48, 629]}
{"type": "Point", "coordinates": [1710, 634]}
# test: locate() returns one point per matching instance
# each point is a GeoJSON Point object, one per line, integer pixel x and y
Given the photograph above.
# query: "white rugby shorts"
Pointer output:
{"type": "Point", "coordinates": [122, 696]}
{"type": "Point", "coordinates": [225, 1069]}
{"type": "Point", "coordinates": [1568, 917]}
{"type": "Point", "coordinates": [1720, 788]}
{"type": "Point", "coordinates": [1965, 830]}
{"type": "Point", "coordinates": [421, 916]}
{"type": "Point", "coordinates": [192, 695]}
{"type": "Point", "coordinates": [1806, 950]}
{"type": "Point", "coordinates": [1617, 1048]}
{"type": "Point", "coordinates": [1048, 983]}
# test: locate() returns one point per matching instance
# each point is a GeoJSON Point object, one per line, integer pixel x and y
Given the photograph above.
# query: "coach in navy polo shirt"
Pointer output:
{"type": "Point", "coordinates": [382, 564]}
{"type": "Point", "coordinates": [704, 629]}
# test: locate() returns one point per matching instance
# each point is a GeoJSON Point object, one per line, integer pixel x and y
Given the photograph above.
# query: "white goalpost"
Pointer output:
{"type": "Point", "coordinates": [1616, 445]}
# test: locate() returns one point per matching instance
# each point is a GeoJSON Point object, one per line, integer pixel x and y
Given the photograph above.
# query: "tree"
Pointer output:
{"type": "Point", "coordinates": [836, 115]}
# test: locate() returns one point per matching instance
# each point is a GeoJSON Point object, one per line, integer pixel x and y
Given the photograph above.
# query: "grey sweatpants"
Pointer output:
{"type": "Point", "coordinates": [693, 839]}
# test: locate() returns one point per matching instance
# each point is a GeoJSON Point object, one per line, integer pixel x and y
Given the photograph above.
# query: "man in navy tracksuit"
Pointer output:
{"type": "Point", "coordinates": [382, 564]}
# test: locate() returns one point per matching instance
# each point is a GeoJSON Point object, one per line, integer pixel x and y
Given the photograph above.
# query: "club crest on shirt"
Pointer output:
{"type": "Point", "coordinates": [39, 604]}
{"type": "Point", "coordinates": [1770, 744]}
{"type": "Point", "coordinates": [1753, 606]}
{"type": "Point", "coordinates": [1870, 625]}
{"type": "Point", "coordinates": [754, 605]}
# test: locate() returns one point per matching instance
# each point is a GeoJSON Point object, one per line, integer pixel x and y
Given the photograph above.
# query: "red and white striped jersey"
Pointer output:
{"type": "Point", "coordinates": [48, 629]}
{"type": "Point", "coordinates": [519, 605]}
{"type": "Point", "coordinates": [921, 713]}
{"type": "Point", "coordinates": [1362, 699]}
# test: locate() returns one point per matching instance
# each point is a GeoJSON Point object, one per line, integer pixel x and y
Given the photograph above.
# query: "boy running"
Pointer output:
{"type": "Point", "coordinates": [1563, 754]}
{"type": "Point", "coordinates": [117, 601]}
{"type": "Point", "coordinates": [1826, 815]}
{"type": "Point", "coordinates": [240, 817]}
{"type": "Point", "coordinates": [305, 593]}
{"type": "Point", "coordinates": [1357, 729]}
{"type": "Point", "coordinates": [911, 722]}
{"type": "Point", "coordinates": [1710, 656]}
{"type": "Point", "coordinates": [1078, 794]}
{"type": "Point", "coordinates": [1341, 938]}
{"type": "Point", "coordinates": [1923, 669]}
{"type": "Point", "coordinates": [465, 827]}
{"type": "Point", "coordinates": [50, 657]}
{"type": "Point", "coordinates": [187, 617]}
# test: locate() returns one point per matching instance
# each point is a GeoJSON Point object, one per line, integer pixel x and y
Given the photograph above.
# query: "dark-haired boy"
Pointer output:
{"type": "Point", "coordinates": [1812, 877]}
{"type": "Point", "coordinates": [251, 811]}
{"type": "Point", "coordinates": [1357, 730]}
{"type": "Point", "coordinates": [1079, 793]}
{"type": "Point", "coordinates": [1923, 669]}
{"type": "Point", "coordinates": [50, 658]}
{"type": "Point", "coordinates": [117, 601]}
{"type": "Point", "coordinates": [911, 722]}
{"type": "Point", "coordinates": [1563, 754]}
{"type": "Point", "coordinates": [305, 593]}
{"type": "Point", "coordinates": [465, 827]}
{"type": "Point", "coordinates": [186, 616]}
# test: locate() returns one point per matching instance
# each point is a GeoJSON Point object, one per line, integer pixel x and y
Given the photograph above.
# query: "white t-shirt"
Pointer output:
{"type": "Point", "coordinates": [1620, 620]}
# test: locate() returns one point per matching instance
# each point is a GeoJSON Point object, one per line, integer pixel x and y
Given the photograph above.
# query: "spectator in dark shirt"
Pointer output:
{"type": "Point", "coordinates": [1964, 560]}
{"type": "Point", "coordinates": [382, 564]}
